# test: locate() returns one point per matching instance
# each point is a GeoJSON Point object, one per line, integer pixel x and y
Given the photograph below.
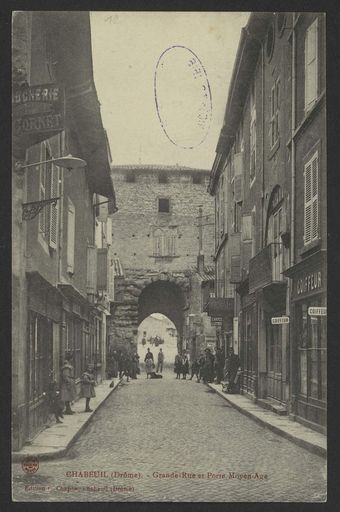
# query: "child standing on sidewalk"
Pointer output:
{"type": "Point", "coordinates": [87, 386]}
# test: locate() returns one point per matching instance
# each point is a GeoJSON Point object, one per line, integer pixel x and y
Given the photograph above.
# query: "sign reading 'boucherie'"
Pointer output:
{"type": "Point", "coordinates": [38, 109]}
{"type": "Point", "coordinates": [280, 320]}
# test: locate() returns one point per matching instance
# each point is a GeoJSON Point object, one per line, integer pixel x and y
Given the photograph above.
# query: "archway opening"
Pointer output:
{"type": "Point", "coordinates": [157, 332]}
{"type": "Point", "coordinates": [163, 297]}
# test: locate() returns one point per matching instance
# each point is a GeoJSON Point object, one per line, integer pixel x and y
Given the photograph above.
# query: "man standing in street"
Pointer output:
{"type": "Point", "coordinates": [160, 360]}
{"type": "Point", "coordinates": [219, 363]}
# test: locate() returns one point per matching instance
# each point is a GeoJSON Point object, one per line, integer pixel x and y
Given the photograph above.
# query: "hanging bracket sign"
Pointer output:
{"type": "Point", "coordinates": [277, 320]}
{"type": "Point", "coordinates": [320, 311]}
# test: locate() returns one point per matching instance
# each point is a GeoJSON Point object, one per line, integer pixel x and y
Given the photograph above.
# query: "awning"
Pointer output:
{"type": "Point", "coordinates": [220, 307]}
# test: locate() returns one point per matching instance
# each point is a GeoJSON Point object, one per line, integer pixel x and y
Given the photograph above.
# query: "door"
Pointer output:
{"type": "Point", "coordinates": [274, 359]}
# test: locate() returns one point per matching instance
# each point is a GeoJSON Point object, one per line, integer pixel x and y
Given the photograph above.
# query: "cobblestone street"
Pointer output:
{"type": "Point", "coordinates": [174, 427]}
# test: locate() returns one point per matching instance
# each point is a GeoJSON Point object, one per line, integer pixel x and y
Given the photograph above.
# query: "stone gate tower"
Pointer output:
{"type": "Point", "coordinates": [156, 238]}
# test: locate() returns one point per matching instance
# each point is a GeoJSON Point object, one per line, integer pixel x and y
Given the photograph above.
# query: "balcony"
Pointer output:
{"type": "Point", "coordinates": [265, 269]}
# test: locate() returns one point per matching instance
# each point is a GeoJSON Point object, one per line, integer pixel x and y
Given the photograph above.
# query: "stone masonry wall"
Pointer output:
{"type": "Point", "coordinates": [138, 216]}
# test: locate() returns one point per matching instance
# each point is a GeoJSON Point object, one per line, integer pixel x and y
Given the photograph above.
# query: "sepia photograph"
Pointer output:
{"type": "Point", "coordinates": [169, 223]}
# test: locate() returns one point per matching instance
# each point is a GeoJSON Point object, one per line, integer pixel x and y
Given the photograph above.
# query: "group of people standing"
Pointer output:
{"type": "Point", "coordinates": [122, 363]}
{"type": "Point", "coordinates": [210, 367]}
{"type": "Point", "coordinates": [61, 397]}
{"type": "Point", "coordinates": [150, 364]}
{"type": "Point", "coordinates": [181, 365]}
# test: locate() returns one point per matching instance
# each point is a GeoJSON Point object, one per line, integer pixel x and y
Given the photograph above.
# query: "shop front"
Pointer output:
{"type": "Point", "coordinates": [309, 341]}
{"type": "Point", "coordinates": [248, 340]}
{"type": "Point", "coordinates": [43, 345]}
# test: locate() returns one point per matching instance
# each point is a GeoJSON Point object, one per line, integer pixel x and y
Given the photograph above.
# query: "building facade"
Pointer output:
{"type": "Point", "coordinates": [58, 302]}
{"type": "Point", "coordinates": [269, 183]}
{"type": "Point", "coordinates": [157, 238]}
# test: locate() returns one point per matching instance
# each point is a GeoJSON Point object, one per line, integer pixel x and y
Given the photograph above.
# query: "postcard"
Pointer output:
{"type": "Point", "coordinates": [169, 242]}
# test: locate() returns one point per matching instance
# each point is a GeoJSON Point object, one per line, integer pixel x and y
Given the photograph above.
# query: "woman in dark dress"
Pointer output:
{"type": "Point", "coordinates": [185, 365]}
{"type": "Point", "coordinates": [178, 366]}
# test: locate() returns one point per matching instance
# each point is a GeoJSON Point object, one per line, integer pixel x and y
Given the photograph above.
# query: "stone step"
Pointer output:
{"type": "Point", "coordinates": [272, 405]}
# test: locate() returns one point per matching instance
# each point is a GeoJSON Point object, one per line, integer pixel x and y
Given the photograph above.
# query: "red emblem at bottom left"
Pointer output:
{"type": "Point", "coordinates": [30, 465]}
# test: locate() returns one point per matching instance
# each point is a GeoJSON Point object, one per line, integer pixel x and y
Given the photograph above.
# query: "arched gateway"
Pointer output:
{"type": "Point", "coordinates": [141, 295]}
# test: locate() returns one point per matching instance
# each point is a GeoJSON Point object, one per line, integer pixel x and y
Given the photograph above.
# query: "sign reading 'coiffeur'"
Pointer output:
{"type": "Point", "coordinates": [277, 320]}
{"type": "Point", "coordinates": [38, 109]}
{"type": "Point", "coordinates": [309, 282]}
{"type": "Point", "coordinates": [317, 311]}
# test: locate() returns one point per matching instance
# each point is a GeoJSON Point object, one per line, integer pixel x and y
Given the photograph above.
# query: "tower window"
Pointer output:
{"type": "Point", "coordinates": [130, 178]}
{"type": "Point", "coordinates": [163, 205]}
{"type": "Point", "coordinates": [162, 178]}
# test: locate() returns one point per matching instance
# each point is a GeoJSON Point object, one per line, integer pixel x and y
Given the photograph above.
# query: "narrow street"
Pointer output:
{"type": "Point", "coordinates": [169, 427]}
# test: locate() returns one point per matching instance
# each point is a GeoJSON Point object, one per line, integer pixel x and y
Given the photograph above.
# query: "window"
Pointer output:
{"type": "Point", "coordinates": [163, 205]}
{"type": "Point", "coordinates": [275, 113]}
{"type": "Point", "coordinates": [311, 196]}
{"type": "Point", "coordinates": [40, 348]}
{"type": "Point", "coordinates": [70, 236]}
{"type": "Point", "coordinates": [236, 217]}
{"type": "Point", "coordinates": [130, 178]}
{"type": "Point", "coordinates": [197, 179]}
{"type": "Point", "coordinates": [311, 65]}
{"type": "Point", "coordinates": [162, 178]}
{"type": "Point", "coordinates": [48, 188]}
{"type": "Point", "coordinates": [164, 242]}
{"type": "Point", "coordinates": [312, 351]}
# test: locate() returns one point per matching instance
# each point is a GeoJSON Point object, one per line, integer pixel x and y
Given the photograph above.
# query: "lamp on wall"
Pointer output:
{"type": "Point", "coordinates": [69, 162]}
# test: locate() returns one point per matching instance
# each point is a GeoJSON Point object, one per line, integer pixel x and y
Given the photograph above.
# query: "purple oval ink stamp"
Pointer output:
{"type": "Point", "coordinates": [183, 97]}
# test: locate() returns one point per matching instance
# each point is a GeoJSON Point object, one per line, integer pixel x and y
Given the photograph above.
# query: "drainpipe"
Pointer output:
{"type": "Point", "coordinates": [291, 409]}
{"type": "Point", "coordinates": [261, 339]}
{"type": "Point", "coordinates": [262, 164]}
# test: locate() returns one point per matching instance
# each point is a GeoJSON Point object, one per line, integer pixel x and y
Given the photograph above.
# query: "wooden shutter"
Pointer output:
{"type": "Point", "coordinates": [246, 227]}
{"type": "Point", "coordinates": [238, 163]}
{"type": "Point", "coordinates": [111, 281]}
{"type": "Point", "coordinates": [54, 210]}
{"type": "Point", "coordinates": [308, 203]}
{"type": "Point", "coordinates": [315, 197]}
{"type": "Point", "coordinates": [102, 270]}
{"type": "Point", "coordinates": [235, 269]}
{"type": "Point", "coordinates": [109, 231]}
{"type": "Point", "coordinates": [91, 271]}
{"type": "Point", "coordinates": [311, 64]}
{"type": "Point", "coordinates": [71, 222]}
{"type": "Point", "coordinates": [238, 189]}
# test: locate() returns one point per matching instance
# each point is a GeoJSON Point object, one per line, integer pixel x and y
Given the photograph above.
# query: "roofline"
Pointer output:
{"type": "Point", "coordinates": [251, 40]}
{"type": "Point", "coordinates": [157, 168]}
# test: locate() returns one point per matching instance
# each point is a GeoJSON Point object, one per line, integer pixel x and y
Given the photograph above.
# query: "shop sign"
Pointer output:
{"type": "Point", "coordinates": [216, 320]}
{"type": "Point", "coordinates": [38, 110]}
{"type": "Point", "coordinates": [309, 283]}
{"type": "Point", "coordinates": [317, 311]}
{"type": "Point", "coordinates": [276, 320]}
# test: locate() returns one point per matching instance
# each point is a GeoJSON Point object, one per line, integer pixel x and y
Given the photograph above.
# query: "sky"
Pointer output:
{"type": "Point", "coordinates": [162, 80]}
